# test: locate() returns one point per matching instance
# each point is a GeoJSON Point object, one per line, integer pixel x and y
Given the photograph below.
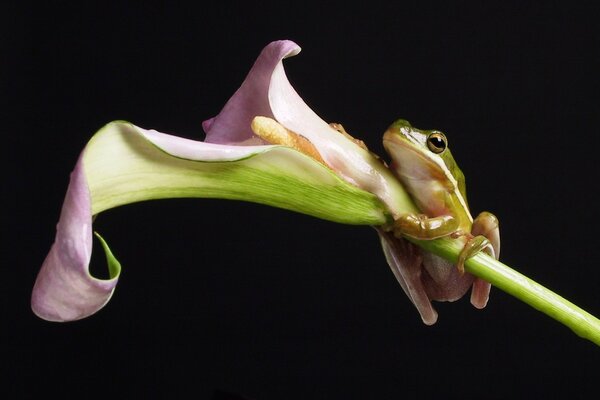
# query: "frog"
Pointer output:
{"type": "Point", "coordinates": [422, 161]}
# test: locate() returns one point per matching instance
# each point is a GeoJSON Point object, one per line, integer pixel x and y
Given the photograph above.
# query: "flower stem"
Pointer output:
{"type": "Point", "coordinates": [518, 285]}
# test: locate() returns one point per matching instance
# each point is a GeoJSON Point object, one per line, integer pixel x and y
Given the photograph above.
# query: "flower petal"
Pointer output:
{"type": "Point", "coordinates": [64, 289]}
{"type": "Point", "coordinates": [123, 164]}
{"type": "Point", "coordinates": [266, 91]}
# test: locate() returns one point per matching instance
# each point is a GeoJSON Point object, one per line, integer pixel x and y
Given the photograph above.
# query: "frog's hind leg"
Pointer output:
{"type": "Point", "coordinates": [405, 260]}
{"type": "Point", "coordinates": [485, 225]}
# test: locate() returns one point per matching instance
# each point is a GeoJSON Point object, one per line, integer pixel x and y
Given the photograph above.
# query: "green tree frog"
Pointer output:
{"type": "Point", "coordinates": [422, 161]}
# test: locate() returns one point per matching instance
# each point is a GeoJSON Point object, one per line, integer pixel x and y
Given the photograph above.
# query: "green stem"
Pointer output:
{"type": "Point", "coordinates": [518, 285]}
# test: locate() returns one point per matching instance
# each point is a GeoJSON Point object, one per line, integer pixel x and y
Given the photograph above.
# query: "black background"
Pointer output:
{"type": "Point", "coordinates": [242, 298]}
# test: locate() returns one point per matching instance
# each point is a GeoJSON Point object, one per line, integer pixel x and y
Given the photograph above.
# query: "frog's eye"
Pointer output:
{"type": "Point", "coordinates": [437, 142]}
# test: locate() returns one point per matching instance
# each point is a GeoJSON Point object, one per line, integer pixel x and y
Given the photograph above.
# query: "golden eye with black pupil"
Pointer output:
{"type": "Point", "coordinates": [437, 142]}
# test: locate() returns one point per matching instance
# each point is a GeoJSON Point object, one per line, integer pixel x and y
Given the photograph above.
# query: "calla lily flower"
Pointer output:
{"type": "Point", "coordinates": [265, 146]}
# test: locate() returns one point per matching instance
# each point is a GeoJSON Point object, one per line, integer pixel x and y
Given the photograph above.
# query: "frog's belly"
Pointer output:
{"type": "Point", "coordinates": [441, 279]}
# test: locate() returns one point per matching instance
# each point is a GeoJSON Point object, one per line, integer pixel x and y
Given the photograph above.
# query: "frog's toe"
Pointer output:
{"type": "Point", "coordinates": [480, 293]}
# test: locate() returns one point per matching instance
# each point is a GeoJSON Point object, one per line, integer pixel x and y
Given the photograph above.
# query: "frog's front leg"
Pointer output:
{"type": "Point", "coordinates": [485, 237]}
{"type": "Point", "coordinates": [420, 226]}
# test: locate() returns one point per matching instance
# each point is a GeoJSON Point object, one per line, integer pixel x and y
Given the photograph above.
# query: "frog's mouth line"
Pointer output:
{"type": "Point", "coordinates": [415, 163]}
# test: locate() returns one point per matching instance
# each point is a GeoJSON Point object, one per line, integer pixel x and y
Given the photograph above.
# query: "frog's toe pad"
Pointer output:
{"type": "Point", "coordinates": [480, 293]}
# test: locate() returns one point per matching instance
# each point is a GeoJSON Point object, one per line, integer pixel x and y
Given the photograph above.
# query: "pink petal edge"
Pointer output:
{"type": "Point", "coordinates": [200, 151]}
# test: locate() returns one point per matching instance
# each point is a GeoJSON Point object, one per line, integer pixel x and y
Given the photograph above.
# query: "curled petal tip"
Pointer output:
{"type": "Point", "coordinates": [283, 48]}
{"type": "Point", "coordinates": [64, 289]}
{"type": "Point", "coordinates": [61, 295]}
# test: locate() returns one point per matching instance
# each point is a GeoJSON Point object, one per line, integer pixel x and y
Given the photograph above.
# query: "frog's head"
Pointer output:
{"type": "Point", "coordinates": [422, 160]}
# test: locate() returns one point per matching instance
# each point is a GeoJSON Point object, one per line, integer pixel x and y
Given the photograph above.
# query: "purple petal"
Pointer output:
{"type": "Point", "coordinates": [64, 290]}
{"type": "Point", "coordinates": [232, 125]}
{"type": "Point", "coordinates": [266, 91]}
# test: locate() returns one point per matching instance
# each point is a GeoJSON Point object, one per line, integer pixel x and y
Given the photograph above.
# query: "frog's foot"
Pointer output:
{"type": "Point", "coordinates": [474, 245]}
{"type": "Point", "coordinates": [486, 224]}
{"type": "Point", "coordinates": [485, 236]}
{"type": "Point", "coordinates": [340, 128]}
{"type": "Point", "coordinates": [420, 226]}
